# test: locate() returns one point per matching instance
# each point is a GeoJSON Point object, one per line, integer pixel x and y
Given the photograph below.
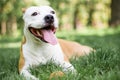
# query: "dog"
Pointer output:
{"type": "Point", "coordinates": [40, 44]}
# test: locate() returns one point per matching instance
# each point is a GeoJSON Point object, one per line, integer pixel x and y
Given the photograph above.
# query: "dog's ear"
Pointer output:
{"type": "Point", "coordinates": [23, 10]}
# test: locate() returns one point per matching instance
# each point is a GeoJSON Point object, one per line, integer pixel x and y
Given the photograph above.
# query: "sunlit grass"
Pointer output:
{"type": "Point", "coordinates": [90, 31]}
{"type": "Point", "coordinates": [10, 41]}
{"type": "Point", "coordinates": [10, 45]}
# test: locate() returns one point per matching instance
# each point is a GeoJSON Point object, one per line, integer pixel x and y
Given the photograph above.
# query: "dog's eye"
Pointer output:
{"type": "Point", "coordinates": [34, 14]}
{"type": "Point", "coordinates": [53, 12]}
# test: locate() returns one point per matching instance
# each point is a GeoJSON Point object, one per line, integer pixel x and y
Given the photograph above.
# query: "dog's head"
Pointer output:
{"type": "Point", "coordinates": [41, 23]}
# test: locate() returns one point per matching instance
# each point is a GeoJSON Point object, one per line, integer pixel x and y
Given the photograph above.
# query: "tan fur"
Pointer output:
{"type": "Point", "coordinates": [22, 60]}
{"type": "Point", "coordinates": [71, 49]}
{"type": "Point", "coordinates": [66, 58]}
{"type": "Point", "coordinates": [56, 75]}
{"type": "Point", "coordinates": [23, 10]}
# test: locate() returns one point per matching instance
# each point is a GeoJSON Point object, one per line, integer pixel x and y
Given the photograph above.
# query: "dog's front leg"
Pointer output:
{"type": "Point", "coordinates": [26, 73]}
{"type": "Point", "coordinates": [68, 67]}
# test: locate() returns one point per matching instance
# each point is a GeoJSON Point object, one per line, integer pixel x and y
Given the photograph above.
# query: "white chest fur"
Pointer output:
{"type": "Point", "coordinates": [35, 54]}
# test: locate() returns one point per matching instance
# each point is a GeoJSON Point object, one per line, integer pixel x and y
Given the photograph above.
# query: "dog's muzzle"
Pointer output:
{"type": "Point", "coordinates": [46, 34]}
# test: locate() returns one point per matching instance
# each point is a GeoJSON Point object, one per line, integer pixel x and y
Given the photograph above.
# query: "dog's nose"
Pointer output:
{"type": "Point", "coordinates": [49, 19]}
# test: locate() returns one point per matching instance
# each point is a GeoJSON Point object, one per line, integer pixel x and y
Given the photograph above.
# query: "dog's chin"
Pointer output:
{"type": "Point", "coordinates": [45, 34]}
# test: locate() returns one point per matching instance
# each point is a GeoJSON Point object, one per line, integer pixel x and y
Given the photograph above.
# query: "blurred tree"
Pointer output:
{"type": "Point", "coordinates": [75, 14]}
{"type": "Point", "coordinates": [3, 16]}
{"type": "Point", "coordinates": [115, 13]}
{"type": "Point", "coordinates": [91, 9]}
{"type": "Point", "coordinates": [14, 15]}
{"type": "Point", "coordinates": [9, 10]}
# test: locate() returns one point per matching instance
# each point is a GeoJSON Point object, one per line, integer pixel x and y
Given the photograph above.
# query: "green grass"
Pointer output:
{"type": "Point", "coordinates": [104, 64]}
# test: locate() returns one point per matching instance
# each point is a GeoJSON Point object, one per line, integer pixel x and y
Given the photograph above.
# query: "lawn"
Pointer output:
{"type": "Point", "coordinates": [104, 64]}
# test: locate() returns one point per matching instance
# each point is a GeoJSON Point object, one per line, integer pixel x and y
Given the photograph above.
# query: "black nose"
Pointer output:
{"type": "Point", "coordinates": [49, 19]}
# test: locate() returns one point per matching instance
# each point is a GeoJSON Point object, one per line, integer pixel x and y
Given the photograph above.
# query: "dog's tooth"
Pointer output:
{"type": "Point", "coordinates": [38, 33]}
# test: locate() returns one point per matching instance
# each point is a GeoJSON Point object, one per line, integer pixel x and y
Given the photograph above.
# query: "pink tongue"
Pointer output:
{"type": "Point", "coordinates": [49, 36]}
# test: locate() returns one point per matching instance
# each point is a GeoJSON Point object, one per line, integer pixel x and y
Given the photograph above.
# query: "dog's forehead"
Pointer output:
{"type": "Point", "coordinates": [38, 9]}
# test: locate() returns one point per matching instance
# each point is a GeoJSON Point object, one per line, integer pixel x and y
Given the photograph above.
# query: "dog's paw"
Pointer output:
{"type": "Point", "coordinates": [56, 75]}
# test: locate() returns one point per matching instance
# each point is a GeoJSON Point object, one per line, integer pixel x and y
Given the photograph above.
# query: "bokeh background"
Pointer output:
{"type": "Point", "coordinates": [72, 14]}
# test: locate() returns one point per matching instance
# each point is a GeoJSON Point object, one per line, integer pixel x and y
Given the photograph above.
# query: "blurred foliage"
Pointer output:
{"type": "Point", "coordinates": [72, 14]}
{"type": "Point", "coordinates": [79, 13]}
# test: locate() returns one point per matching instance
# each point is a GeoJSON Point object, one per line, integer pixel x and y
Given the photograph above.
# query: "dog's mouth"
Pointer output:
{"type": "Point", "coordinates": [45, 34]}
